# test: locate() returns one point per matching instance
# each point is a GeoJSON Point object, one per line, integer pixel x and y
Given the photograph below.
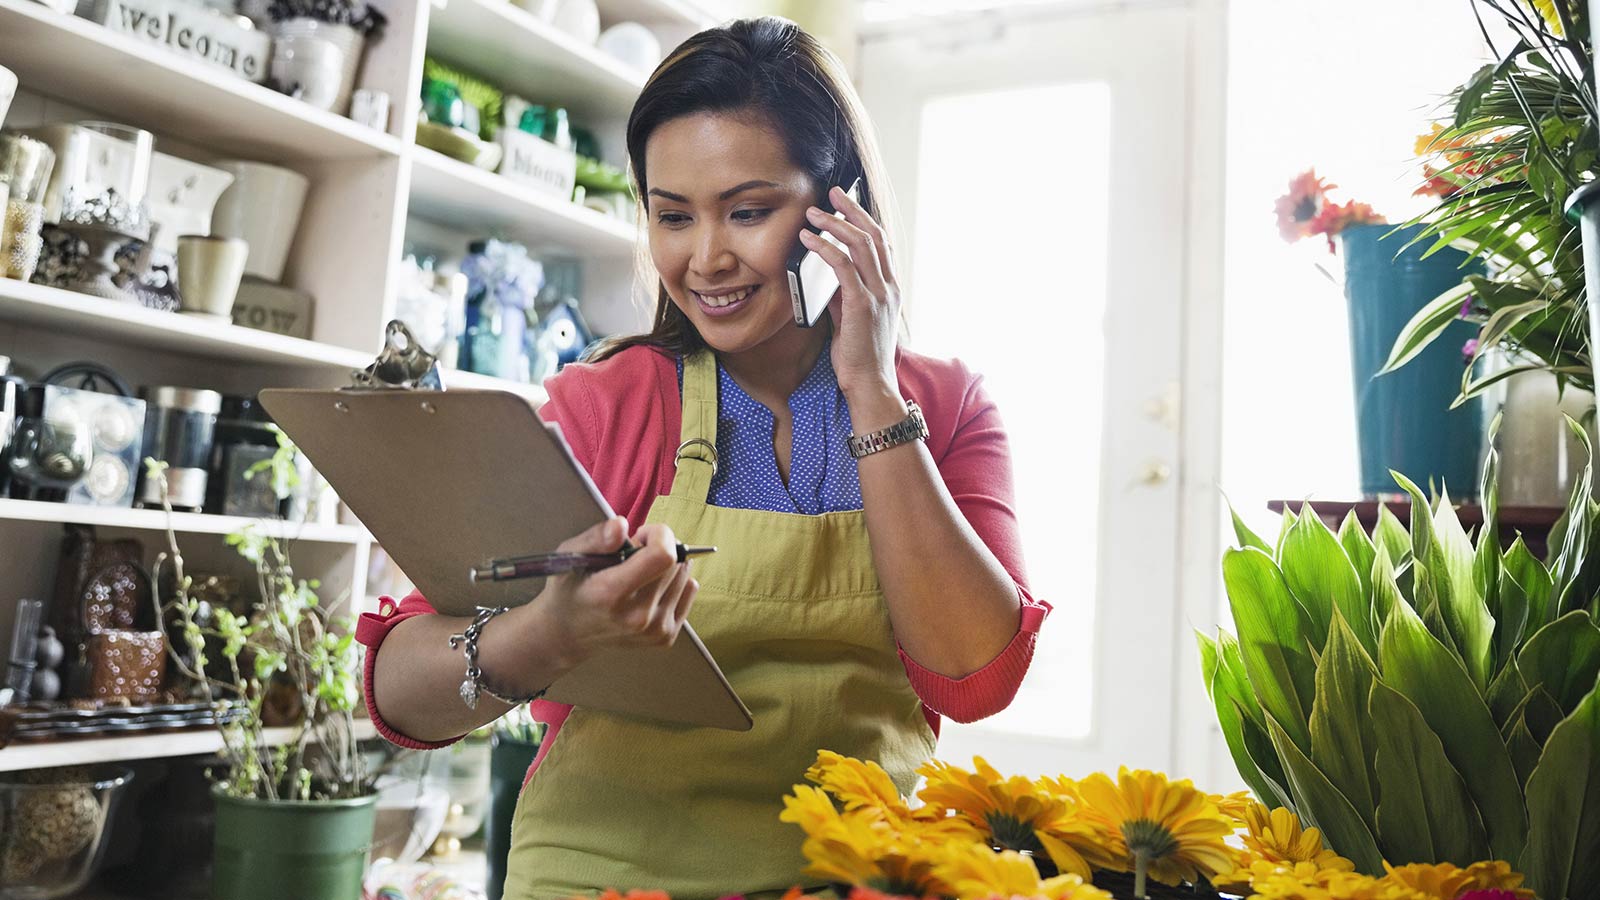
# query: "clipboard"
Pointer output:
{"type": "Point", "coordinates": [446, 480]}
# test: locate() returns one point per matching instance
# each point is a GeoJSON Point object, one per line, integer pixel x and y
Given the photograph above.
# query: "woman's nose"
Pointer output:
{"type": "Point", "coordinates": [711, 253]}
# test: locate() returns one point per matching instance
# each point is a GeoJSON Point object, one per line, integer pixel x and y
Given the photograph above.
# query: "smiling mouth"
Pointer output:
{"type": "Point", "coordinates": [725, 299]}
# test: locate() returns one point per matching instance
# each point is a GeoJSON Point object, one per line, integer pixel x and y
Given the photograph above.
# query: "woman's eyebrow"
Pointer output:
{"type": "Point", "coordinates": [748, 185]}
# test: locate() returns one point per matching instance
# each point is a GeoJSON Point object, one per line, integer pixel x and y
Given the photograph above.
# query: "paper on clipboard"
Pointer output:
{"type": "Point", "coordinates": [449, 480]}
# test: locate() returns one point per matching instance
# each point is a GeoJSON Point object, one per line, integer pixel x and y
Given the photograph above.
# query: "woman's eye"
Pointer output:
{"type": "Point", "coordinates": [671, 219]}
{"type": "Point", "coordinates": [750, 215]}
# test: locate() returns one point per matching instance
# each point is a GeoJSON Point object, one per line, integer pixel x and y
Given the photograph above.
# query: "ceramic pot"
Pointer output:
{"type": "Point", "coordinates": [209, 271]}
{"type": "Point", "coordinates": [262, 207]}
{"type": "Point", "coordinates": [309, 850]}
{"type": "Point", "coordinates": [308, 67]}
{"type": "Point", "coordinates": [631, 44]}
{"type": "Point", "coordinates": [8, 91]}
{"type": "Point", "coordinates": [183, 196]}
{"type": "Point", "coordinates": [350, 42]}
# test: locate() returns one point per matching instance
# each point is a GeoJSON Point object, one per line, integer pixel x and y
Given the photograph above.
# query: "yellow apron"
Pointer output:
{"type": "Point", "coordinates": [790, 608]}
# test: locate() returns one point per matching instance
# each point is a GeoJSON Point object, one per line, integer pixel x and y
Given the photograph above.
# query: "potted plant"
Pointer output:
{"type": "Point", "coordinates": [294, 819]}
{"type": "Point", "coordinates": [1422, 696]}
{"type": "Point", "coordinates": [1404, 420]}
{"type": "Point", "coordinates": [346, 24]}
{"type": "Point", "coordinates": [1517, 140]}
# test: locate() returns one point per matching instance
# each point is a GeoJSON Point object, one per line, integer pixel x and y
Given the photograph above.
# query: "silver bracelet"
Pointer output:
{"type": "Point", "coordinates": [474, 684]}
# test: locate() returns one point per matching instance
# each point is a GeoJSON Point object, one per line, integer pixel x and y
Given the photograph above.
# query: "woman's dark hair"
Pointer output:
{"type": "Point", "coordinates": [770, 69]}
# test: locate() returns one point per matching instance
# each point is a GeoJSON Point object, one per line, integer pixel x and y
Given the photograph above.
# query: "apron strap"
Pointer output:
{"type": "Point", "coordinates": [696, 459]}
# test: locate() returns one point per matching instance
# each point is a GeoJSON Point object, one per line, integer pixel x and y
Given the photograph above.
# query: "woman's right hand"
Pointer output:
{"type": "Point", "coordinates": [642, 602]}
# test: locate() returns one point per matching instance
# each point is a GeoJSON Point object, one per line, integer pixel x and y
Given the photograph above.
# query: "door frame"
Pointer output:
{"type": "Point", "coordinates": [1176, 730]}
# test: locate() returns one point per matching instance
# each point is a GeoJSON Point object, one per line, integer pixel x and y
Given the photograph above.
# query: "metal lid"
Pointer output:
{"type": "Point", "coordinates": [184, 398]}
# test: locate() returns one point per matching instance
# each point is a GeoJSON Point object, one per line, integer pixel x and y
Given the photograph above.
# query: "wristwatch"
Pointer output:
{"type": "Point", "coordinates": [911, 428]}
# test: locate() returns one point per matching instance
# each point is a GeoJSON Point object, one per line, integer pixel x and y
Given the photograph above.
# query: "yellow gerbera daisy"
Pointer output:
{"type": "Point", "coordinates": [1547, 11]}
{"type": "Point", "coordinates": [856, 783]}
{"type": "Point", "coordinates": [1445, 881]}
{"type": "Point", "coordinates": [1015, 813]}
{"type": "Point", "coordinates": [1235, 805]}
{"type": "Point", "coordinates": [810, 808]}
{"type": "Point", "coordinates": [977, 873]}
{"type": "Point", "coordinates": [1304, 881]}
{"type": "Point", "coordinates": [1168, 830]}
{"type": "Point", "coordinates": [859, 850]}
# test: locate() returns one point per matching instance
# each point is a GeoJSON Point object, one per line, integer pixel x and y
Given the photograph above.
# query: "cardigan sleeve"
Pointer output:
{"type": "Point", "coordinates": [976, 468]}
{"type": "Point", "coordinates": [567, 407]}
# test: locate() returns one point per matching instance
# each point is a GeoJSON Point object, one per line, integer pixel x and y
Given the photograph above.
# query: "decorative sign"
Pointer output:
{"type": "Point", "coordinates": [538, 163]}
{"type": "Point", "coordinates": [272, 307]}
{"type": "Point", "coordinates": [193, 31]}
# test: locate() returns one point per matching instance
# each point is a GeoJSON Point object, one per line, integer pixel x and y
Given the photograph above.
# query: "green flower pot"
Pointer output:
{"type": "Point", "coordinates": [308, 850]}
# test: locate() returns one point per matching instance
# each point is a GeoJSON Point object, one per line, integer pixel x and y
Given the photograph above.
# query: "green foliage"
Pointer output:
{"type": "Point", "coordinates": [1443, 708]}
{"type": "Point", "coordinates": [289, 639]}
{"type": "Point", "coordinates": [1521, 135]}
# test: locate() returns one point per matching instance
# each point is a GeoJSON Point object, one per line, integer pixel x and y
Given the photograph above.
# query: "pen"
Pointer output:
{"type": "Point", "coordinates": [540, 564]}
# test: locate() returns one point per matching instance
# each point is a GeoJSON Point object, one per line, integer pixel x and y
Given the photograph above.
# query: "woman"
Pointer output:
{"type": "Point", "coordinates": [855, 600]}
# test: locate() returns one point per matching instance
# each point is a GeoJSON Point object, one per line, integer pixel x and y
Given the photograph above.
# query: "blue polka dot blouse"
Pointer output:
{"type": "Point", "coordinates": [822, 473]}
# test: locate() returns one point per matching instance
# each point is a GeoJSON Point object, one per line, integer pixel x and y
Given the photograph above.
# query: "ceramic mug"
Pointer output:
{"type": "Point", "coordinates": [346, 38]}
{"type": "Point", "coordinates": [209, 271]}
{"type": "Point", "coordinates": [262, 207]}
{"type": "Point", "coordinates": [8, 91]}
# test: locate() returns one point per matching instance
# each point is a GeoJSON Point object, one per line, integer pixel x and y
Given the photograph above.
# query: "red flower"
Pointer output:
{"type": "Point", "coordinates": [1298, 208]}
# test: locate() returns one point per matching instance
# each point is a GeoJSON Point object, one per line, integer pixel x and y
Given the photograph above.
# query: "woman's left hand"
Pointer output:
{"type": "Point", "coordinates": [866, 313]}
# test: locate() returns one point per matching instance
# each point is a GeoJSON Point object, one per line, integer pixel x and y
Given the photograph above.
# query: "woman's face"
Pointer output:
{"type": "Point", "coordinates": [726, 206]}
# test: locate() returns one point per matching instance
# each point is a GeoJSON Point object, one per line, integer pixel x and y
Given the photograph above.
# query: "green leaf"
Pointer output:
{"type": "Point", "coordinates": [1413, 662]}
{"type": "Point", "coordinates": [1358, 547]}
{"type": "Point", "coordinates": [1534, 579]}
{"type": "Point", "coordinates": [1471, 627]}
{"type": "Point", "coordinates": [1272, 639]}
{"type": "Point", "coordinates": [1229, 717]}
{"type": "Point", "coordinates": [1426, 814]}
{"type": "Point", "coordinates": [1244, 535]}
{"type": "Point", "coordinates": [1512, 615]}
{"type": "Point", "coordinates": [1425, 327]}
{"type": "Point", "coordinates": [1285, 525]}
{"type": "Point", "coordinates": [1563, 658]}
{"type": "Point", "coordinates": [1507, 692]}
{"type": "Point", "coordinates": [1564, 808]}
{"type": "Point", "coordinates": [1342, 739]}
{"type": "Point", "coordinates": [1320, 805]}
{"type": "Point", "coordinates": [1391, 535]}
{"type": "Point", "coordinates": [1385, 590]}
{"type": "Point", "coordinates": [1321, 577]}
{"type": "Point", "coordinates": [1524, 749]}
{"type": "Point", "coordinates": [1258, 745]}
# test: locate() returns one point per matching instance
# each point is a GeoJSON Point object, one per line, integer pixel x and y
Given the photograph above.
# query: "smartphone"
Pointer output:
{"type": "Point", "coordinates": [812, 282]}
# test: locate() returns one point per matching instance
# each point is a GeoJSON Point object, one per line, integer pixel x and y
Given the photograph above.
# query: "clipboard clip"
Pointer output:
{"type": "Point", "coordinates": [402, 365]}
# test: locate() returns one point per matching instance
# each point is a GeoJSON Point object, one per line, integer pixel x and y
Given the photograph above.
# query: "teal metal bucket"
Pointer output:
{"type": "Point", "coordinates": [1404, 421]}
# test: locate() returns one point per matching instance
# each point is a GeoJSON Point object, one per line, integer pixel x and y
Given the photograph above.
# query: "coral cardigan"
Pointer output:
{"type": "Point", "coordinates": [623, 417]}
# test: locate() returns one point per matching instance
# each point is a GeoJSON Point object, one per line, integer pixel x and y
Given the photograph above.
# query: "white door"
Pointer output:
{"type": "Point", "coordinates": [1039, 163]}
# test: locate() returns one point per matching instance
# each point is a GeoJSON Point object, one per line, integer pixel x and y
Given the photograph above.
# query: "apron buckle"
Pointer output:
{"type": "Point", "coordinates": [710, 448]}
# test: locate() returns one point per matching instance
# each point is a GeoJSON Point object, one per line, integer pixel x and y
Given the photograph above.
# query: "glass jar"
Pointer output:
{"type": "Point", "coordinates": [180, 425]}
{"type": "Point", "coordinates": [25, 168]}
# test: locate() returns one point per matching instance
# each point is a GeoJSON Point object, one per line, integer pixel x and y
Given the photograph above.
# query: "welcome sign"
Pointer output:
{"type": "Point", "coordinates": [193, 31]}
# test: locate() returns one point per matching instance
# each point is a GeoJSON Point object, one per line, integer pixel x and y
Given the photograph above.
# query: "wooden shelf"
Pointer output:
{"type": "Point", "coordinates": [83, 751]}
{"type": "Point", "coordinates": [182, 522]}
{"type": "Point", "coordinates": [154, 88]}
{"type": "Point", "coordinates": [472, 381]}
{"type": "Point", "coordinates": [450, 192]}
{"type": "Point", "coordinates": [1532, 523]}
{"type": "Point", "coordinates": [519, 52]}
{"type": "Point", "coordinates": [655, 12]}
{"type": "Point", "coordinates": [134, 324]}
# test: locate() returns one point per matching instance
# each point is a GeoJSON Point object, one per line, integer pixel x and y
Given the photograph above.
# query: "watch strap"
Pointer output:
{"type": "Point", "coordinates": [912, 428]}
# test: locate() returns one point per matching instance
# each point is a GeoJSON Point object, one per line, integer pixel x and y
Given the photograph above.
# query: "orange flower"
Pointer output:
{"type": "Point", "coordinates": [1336, 217]}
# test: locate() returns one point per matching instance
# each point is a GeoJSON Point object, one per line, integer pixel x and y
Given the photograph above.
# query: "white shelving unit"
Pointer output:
{"type": "Point", "coordinates": [89, 750]}
{"type": "Point", "coordinates": [373, 193]}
